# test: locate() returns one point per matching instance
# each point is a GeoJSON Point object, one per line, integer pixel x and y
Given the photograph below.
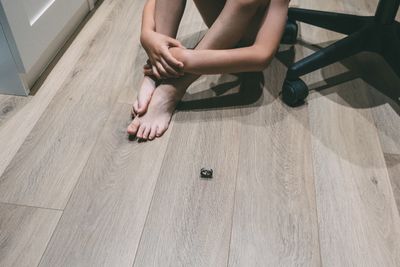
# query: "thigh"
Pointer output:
{"type": "Point", "coordinates": [209, 10]}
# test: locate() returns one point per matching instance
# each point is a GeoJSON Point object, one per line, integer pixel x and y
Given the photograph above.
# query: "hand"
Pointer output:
{"type": "Point", "coordinates": [180, 54]}
{"type": "Point", "coordinates": [163, 64]}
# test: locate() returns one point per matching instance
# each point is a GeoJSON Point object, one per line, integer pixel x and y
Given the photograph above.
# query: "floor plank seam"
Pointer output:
{"type": "Point", "coordinates": [51, 237]}
{"type": "Point", "coordinates": [57, 60]}
{"type": "Point", "coordinates": [90, 155]}
{"type": "Point", "coordinates": [29, 206]}
{"type": "Point", "coordinates": [388, 175]}
{"type": "Point", "coordinates": [233, 206]}
{"type": "Point", "coordinates": [390, 181]}
{"type": "Point", "coordinates": [314, 187]}
{"type": "Point", "coordinates": [152, 197]}
{"type": "Point", "coordinates": [77, 182]}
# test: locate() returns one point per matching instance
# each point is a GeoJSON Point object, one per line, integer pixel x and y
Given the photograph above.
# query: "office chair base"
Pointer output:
{"type": "Point", "coordinates": [291, 31]}
{"type": "Point", "coordinates": [294, 92]}
{"type": "Point", "coordinates": [379, 34]}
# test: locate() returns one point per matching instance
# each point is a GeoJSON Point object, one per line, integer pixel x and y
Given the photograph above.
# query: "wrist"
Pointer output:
{"type": "Point", "coordinates": [182, 55]}
{"type": "Point", "coordinates": [144, 36]}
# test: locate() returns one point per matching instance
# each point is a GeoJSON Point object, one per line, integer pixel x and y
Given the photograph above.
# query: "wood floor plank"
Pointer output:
{"type": "Point", "coordinates": [14, 132]}
{"type": "Point", "coordinates": [24, 234]}
{"type": "Point", "coordinates": [275, 221]}
{"type": "Point", "coordinates": [353, 188]}
{"type": "Point", "coordinates": [189, 222]}
{"type": "Point", "coordinates": [393, 165]}
{"type": "Point", "coordinates": [384, 100]}
{"type": "Point", "coordinates": [104, 218]}
{"type": "Point", "coordinates": [358, 220]}
{"type": "Point", "coordinates": [46, 168]}
{"type": "Point", "coordinates": [10, 105]}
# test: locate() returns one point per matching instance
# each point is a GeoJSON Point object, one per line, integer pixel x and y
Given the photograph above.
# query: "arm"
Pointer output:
{"type": "Point", "coordinates": [157, 45]}
{"type": "Point", "coordinates": [148, 22]}
{"type": "Point", "coordinates": [252, 58]}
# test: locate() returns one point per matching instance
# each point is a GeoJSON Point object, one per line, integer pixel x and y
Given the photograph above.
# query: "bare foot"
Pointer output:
{"type": "Point", "coordinates": [158, 116]}
{"type": "Point", "coordinates": [144, 96]}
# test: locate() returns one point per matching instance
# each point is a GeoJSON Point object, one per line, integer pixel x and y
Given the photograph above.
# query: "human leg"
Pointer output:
{"type": "Point", "coordinates": [227, 30]}
{"type": "Point", "coordinates": [168, 14]}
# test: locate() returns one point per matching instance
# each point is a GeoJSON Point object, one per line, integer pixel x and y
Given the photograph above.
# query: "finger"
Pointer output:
{"type": "Point", "coordinates": [169, 69]}
{"type": "Point", "coordinates": [166, 54]}
{"type": "Point", "coordinates": [162, 71]}
{"type": "Point", "coordinates": [155, 73]}
{"type": "Point", "coordinates": [175, 43]}
{"type": "Point", "coordinates": [148, 72]}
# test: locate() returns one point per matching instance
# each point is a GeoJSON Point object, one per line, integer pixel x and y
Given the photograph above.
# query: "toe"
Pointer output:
{"type": "Point", "coordinates": [153, 132]}
{"type": "Point", "coordinates": [140, 131]}
{"type": "Point", "coordinates": [160, 130]}
{"type": "Point", "coordinates": [135, 108]}
{"type": "Point", "coordinates": [133, 112]}
{"type": "Point", "coordinates": [134, 126]}
{"type": "Point", "coordinates": [146, 132]}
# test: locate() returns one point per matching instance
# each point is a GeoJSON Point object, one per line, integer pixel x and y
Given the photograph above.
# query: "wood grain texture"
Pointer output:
{"type": "Point", "coordinates": [275, 221]}
{"type": "Point", "coordinates": [103, 221]}
{"type": "Point", "coordinates": [315, 185]}
{"type": "Point", "coordinates": [15, 131]}
{"type": "Point", "coordinates": [10, 105]}
{"type": "Point", "coordinates": [358, 220]}
{"type": "Point", "coordinates": [393, 166]}
{"type": "Point", "coordinates": [24, 233]}
{"type": "Point", "coordinates": [352, 185]}
{"type": "Point", "coordinates": [46, 168]}
{"type": "Point", "coordinates": [357, 215]}
{"type": "Point", "coordinates": [189, 222]}
{"type": "Point", "coordinates": [384, 100]}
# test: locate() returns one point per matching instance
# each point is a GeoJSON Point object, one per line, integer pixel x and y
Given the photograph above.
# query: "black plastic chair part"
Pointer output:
{"type": "Point", "coordinates": [379, 34]}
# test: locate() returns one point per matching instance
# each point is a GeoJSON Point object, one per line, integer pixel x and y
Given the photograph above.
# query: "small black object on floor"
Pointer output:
{"type": "Point", "coordinates": [206, 173]}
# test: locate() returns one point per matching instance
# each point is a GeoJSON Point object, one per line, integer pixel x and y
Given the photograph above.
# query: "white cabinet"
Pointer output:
{"type": "Point", "coordinates": [9, 79]}
{"type": "Point", "coordinates": [37, 29]}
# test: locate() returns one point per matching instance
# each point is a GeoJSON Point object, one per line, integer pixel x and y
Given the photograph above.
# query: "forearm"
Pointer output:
{"type": "Point", "coordinates": [148, 21]}
{"type": "Point", "coordinates": [253, 58]}
{"type": "Point", "coordinates": [247, 59]}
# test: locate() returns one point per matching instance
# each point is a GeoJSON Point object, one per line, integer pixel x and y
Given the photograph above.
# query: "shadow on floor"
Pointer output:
{"type": "Point", "coordinates": [250, 91]}
{"type": "Point", "coordinates": [369, 67]}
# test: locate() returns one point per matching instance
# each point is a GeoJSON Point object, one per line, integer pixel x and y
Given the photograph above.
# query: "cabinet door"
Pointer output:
{"type": "Point", "coordinates": [34, 24]}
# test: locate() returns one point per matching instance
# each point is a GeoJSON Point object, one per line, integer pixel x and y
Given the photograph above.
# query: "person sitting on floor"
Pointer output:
{"type": "Point", "coordinates": [258, 25]}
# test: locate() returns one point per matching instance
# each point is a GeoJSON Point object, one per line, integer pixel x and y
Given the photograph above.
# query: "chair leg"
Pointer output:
{"type": "Point", "coordinates": [342, 49]}
{"type": "Point", "coordinates": [342, 23]}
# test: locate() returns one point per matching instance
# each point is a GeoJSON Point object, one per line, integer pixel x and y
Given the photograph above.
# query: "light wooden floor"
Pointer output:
{"type": "Point", "coordinates": [315, 185]}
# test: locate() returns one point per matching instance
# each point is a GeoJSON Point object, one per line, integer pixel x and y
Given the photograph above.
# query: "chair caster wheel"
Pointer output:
{"type": "Point", "coordinates": [294, 92]}
{"type": "Point", "coordinates": [290, 34]}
